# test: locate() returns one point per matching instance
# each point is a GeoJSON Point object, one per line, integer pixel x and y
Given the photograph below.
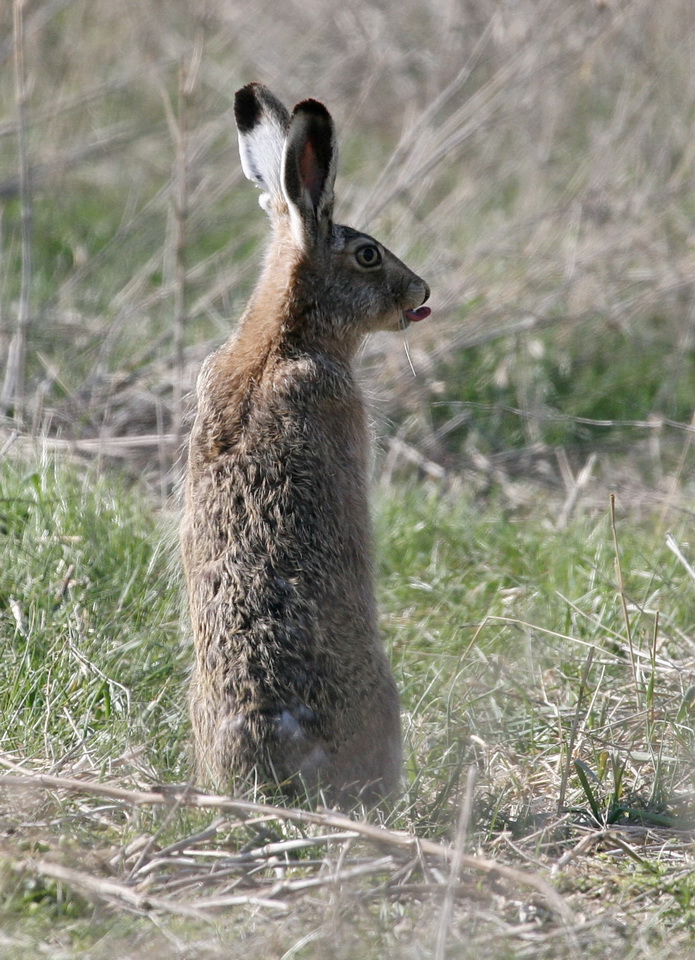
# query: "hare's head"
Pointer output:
{"type": "Point", "coordinates": [344, 281]}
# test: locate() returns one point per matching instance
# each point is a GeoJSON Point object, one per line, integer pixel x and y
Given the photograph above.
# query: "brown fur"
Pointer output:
{"type": "Point", "coordinates": [291, 684]}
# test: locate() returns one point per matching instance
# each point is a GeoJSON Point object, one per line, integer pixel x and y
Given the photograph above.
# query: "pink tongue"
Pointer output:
{"type": "Point", "coordinates": [419, 314]}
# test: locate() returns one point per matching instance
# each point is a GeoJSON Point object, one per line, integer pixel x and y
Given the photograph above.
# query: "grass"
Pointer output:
{"type": "Point", "coordinates": [536, 602]}
{"type": "Point", "coordinates": [96, 650]}
{"type": "Point", "coordinates": [511, 649]}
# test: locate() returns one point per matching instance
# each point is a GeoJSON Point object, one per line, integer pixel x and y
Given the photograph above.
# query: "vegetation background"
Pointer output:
{"type": "Point", "coordinates": [535, 162]}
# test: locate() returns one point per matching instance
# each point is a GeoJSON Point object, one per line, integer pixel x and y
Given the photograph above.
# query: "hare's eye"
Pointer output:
{"type": "Point", "coordinates": [368, 255]}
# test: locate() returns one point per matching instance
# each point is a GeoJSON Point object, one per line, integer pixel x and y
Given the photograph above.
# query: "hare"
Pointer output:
{"type": "Point", "coordinates": [291, 685]}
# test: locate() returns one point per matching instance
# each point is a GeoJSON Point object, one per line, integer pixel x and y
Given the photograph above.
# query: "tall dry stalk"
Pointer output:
{"type": "Point", "coordinates": [15, 371]}
{"type": "Point", "coordinates": [179, 129]}
{"type": "Point", "coordinates": [447, 913]}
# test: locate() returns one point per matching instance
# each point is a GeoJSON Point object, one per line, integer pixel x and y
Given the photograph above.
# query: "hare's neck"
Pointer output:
{"type": "Point", "coordinates": [264, 323]}
{"type": "Point", "coordinates": [288, 313]}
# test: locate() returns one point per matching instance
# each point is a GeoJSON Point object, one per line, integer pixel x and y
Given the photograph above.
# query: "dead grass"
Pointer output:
{"type": "Point", "coordinates": [562, 889]}
{"type": "Point", "coordinates": [533, 161]}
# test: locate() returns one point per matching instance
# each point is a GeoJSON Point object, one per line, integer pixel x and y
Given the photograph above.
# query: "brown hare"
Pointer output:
{"type": "Point", "coordinates": [291, 684]}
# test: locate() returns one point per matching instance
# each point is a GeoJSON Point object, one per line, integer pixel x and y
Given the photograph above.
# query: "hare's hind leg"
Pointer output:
{"type": "Point", "coordinates": [204, 722]}
{"type": "Point", "coordinates": [367, 767]}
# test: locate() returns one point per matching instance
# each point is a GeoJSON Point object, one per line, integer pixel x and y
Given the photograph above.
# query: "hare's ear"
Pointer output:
{"type": "Point", "coordinates": [308, 172]}
{"type": "Point", "coordinates": [262, 124]}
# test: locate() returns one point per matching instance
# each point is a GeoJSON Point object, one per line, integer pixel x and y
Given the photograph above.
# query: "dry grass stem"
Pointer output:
{"type": "Point", "coordinates": [465, 813]}
{"type": "Point", "coordinates": [623, 598]}
{"type": "Point", "coordinates": [573, 732]}
{"type": "Point", "coordinates": [187, 797]}
{"type": "Point", "coordinates": [15, 370]}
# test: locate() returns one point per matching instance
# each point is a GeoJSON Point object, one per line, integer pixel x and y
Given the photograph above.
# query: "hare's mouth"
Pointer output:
{"type": "Point", "coordinates": [413, 316]}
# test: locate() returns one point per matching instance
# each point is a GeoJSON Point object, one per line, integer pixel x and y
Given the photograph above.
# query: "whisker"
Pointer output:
{"type": "Point", "coordinates": [410, 361]}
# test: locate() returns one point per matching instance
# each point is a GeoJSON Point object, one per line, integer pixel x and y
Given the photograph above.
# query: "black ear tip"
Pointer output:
{"type": "Point", "coordinates": [312, 108]}
{"type": "Point", "coordinates": [247, 107]}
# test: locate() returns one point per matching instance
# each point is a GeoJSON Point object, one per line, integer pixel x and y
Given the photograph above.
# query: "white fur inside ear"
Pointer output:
{"type": "Point", "coordinates": [261, 151]}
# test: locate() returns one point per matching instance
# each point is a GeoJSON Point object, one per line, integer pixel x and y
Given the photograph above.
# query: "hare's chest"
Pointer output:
{"type": "Point", "coordinates": [321, 417]}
